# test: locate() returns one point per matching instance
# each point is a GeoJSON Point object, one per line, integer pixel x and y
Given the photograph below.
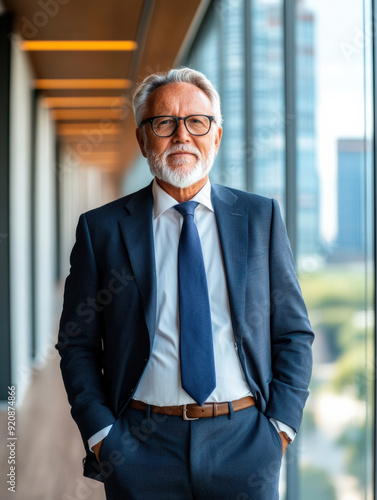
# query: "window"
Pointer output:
{"type": "Point", "coordinates": [335, 261]}
{"type": "Point", "coordinates": [241, 49]}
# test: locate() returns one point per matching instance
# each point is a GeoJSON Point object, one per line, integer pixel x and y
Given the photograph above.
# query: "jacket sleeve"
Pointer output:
{"type": "Point", "coordinates": [80, 340]}
{"type": "Point", "coordinates": [291, 334]}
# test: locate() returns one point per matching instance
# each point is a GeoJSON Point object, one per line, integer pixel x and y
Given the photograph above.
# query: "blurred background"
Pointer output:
{"type": "Point", "coordinates": [297, 82]}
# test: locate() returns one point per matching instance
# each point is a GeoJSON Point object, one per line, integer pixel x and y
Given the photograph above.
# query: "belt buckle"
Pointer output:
{"type": "Point", "coordinates": [184, 414]}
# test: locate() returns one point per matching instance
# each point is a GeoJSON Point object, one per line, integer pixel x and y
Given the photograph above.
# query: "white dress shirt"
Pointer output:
{"type": "Point", "coordinates": [160, 384]}
{"type": "Point", "coordinates": [161, 381]}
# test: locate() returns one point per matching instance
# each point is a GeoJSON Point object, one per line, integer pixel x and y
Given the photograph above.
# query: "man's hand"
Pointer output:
{"type": "Point", "coordinates": [96, 449]}
{"type": "Point", "coordinates": [284, 440]}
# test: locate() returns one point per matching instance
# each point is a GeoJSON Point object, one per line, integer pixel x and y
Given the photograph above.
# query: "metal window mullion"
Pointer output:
{"type": "Point", "coordinates": [58, 215]}
{"type": "Point", "coordinates": [249, 94]}
{"type": "Point", "coordinates": [221, 42]}
{"type": "Point", "coordinates": [290, 83]}
{"type": "Point", "coordinates": [289, 16]}
{"type": "Point", "coordinates": [6, 25]}
{"type": "Point", "coordinates": [141, 38]}
{"type": "Point", "coordinates": [374, 146]}
{"type": "Point", "coordinates": [33, 224]}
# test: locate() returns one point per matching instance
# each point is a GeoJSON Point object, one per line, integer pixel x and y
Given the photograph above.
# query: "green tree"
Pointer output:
{"type": "Point", "coordinates": [316, 484]}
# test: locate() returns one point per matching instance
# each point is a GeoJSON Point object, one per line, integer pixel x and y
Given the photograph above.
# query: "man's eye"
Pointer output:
{"type": "Point", "coordinates": [164, 122]}
{"type": "Point", "coordinates": [196, 121]}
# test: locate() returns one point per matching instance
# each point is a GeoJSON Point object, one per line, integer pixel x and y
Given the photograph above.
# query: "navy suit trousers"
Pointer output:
{"type": "Point", "coordinates": [148, 456]}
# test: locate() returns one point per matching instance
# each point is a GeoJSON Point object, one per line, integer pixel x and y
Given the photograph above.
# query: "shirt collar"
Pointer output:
{"type": "Point", "coordinates": [162, 201]}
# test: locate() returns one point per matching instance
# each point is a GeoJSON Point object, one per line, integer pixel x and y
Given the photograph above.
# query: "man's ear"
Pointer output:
{"type": "Point", "coordinates": [141, 140]}
{"type": "Point", "coordinates": [218, 136]}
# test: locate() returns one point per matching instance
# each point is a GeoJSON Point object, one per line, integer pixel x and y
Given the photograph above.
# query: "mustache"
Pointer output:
{"type": "Point", "coordinates": [182, 149]}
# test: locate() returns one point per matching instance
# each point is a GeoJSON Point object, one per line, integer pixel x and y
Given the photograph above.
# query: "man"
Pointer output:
{"type": "Point", "coordinates": [184, 338]}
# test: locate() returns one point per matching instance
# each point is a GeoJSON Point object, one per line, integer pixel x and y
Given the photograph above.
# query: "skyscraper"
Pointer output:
{"type": "Point", "coordinates": [245, 59]}
{"type": "Point", "coordinates": [270, 118]}
{"type": "Point", "coordinates": [351, 199]}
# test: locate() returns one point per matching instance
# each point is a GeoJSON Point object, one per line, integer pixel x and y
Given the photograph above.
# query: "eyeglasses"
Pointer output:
{"type": "Point", "coordinates": [166, 126]}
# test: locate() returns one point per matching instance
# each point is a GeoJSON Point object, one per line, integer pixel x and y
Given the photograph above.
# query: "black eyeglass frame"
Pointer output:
{"type": "Point", "coordinates": [177, 118]}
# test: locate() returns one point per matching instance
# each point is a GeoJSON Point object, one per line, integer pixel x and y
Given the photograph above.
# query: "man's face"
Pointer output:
{"type": "Point", "coordinates": [182, 159]}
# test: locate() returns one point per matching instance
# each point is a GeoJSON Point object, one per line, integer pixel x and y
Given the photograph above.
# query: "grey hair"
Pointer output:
{"type": "Point", "coordinates": [180, 75]}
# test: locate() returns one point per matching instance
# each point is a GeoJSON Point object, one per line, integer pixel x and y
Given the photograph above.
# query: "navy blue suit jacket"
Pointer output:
{"type": "Point", "coordinates": [109, 314]}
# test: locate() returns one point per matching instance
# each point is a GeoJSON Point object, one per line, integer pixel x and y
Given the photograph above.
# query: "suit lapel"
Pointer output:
{"type": "Point", "coordinates": [232, 226]}
{"type": "Point", "coordinates": [137, 231]}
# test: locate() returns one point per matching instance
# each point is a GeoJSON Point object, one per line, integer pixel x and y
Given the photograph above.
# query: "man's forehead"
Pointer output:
{"type": "Point", "coordinates": [177, 95]}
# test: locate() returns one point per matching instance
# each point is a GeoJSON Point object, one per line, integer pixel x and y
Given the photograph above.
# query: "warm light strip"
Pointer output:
{"type": "Point", "coordinates": [75, 131]}
{"type": "Point", "coordinates": [106, 156]}
{"type": "Point", "coordinates": [93, 162]}
{"type": "Point", "coordinates": [89, 148]}
{"type": "Point", "coordinates": [74, 83]}
{"type": "Point", "coordinates": [124, 45]}
{"type": "Point", "coordinates": [100, 153]}
{"type": "Point", "coordinates": [75, 139]}
{"type": "Point", "coordinates": [110, 152]}
{"type": "Point", "coordinates": [94, 151]}
{"type": "Point", "coordinates": [83, 102]}
{"type": "Point", "coordinates": [92, 125]}
{"type": "Point", "coordinates": [86, 114]}
{"type": "Point", "coordinates": [104, 167]}
{"type": "Point", "coordinates": [112, 157]}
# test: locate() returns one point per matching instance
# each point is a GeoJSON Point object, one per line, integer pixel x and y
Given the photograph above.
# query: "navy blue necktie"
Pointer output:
{"type": "Point", "coordinates": [196, 343]}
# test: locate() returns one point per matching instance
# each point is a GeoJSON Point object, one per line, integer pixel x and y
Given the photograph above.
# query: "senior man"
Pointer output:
{"type": "Point", "coordinates": [184, 339]}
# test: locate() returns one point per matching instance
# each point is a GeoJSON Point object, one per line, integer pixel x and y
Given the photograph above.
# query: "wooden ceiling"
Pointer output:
{"type": "Point", "coordinates": [102, 132]}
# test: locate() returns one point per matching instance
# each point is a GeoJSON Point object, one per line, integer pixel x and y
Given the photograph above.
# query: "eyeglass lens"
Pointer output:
{"type": "Point", "coordinates": [196, 125]}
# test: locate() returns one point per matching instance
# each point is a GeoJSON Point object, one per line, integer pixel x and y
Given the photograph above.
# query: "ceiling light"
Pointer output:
{"type": "Point", "coordinates": [84, 102]}
{"type": "Point", "coordinates": [86, 114]}
{"type": "Point", "coordinates": [100, 155]}
{"type": "Point", "coordinates": [69, 83]}
{"type": "Point", "coordinates": [123, 45]}
{"type": "Point", "coordinates": [87, 128]}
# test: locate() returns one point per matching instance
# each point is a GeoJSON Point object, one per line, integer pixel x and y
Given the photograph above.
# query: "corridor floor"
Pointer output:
{"type": "Point", "coordinates": [49, 450]}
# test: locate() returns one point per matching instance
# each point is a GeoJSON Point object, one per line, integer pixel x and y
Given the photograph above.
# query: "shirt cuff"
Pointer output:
{"type": "Point", "coordinates": [280, 427]}
{"type": "Point", "coordinates": [98, 436]}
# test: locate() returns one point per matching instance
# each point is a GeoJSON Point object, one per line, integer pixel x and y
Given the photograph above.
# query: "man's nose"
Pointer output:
{"type": "Point", "coordinates": [181, 134]}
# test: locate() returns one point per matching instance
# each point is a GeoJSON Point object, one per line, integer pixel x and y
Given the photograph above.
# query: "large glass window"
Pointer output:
{"type": "Point", "coordinates": [241, 49]}
{"type": "Point", "coordinates": [233, 94]}
{"type": "Point", "coordinates": [267, 89]}
{"type": "Point", "coordinates": [220, 53]}
{"type": "Point", "coordinates": [335, 260]}
{"type": "Point", "coordinates": [205, 54]}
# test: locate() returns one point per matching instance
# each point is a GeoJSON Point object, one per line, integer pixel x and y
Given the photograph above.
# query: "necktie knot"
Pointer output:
{"type": "Point", "coordinates": [186, 208]}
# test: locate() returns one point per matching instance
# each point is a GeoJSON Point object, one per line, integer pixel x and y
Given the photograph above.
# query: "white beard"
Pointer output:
{"type": "Point", "coordinates": [179, 175]}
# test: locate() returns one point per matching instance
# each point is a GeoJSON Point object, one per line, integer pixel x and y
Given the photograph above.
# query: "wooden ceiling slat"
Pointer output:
{"type": "Point", "coordinates": [167, 26]}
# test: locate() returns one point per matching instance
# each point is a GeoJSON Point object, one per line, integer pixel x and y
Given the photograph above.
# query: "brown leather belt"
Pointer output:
{"type": "Point", "coordinates": [193, 411]}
